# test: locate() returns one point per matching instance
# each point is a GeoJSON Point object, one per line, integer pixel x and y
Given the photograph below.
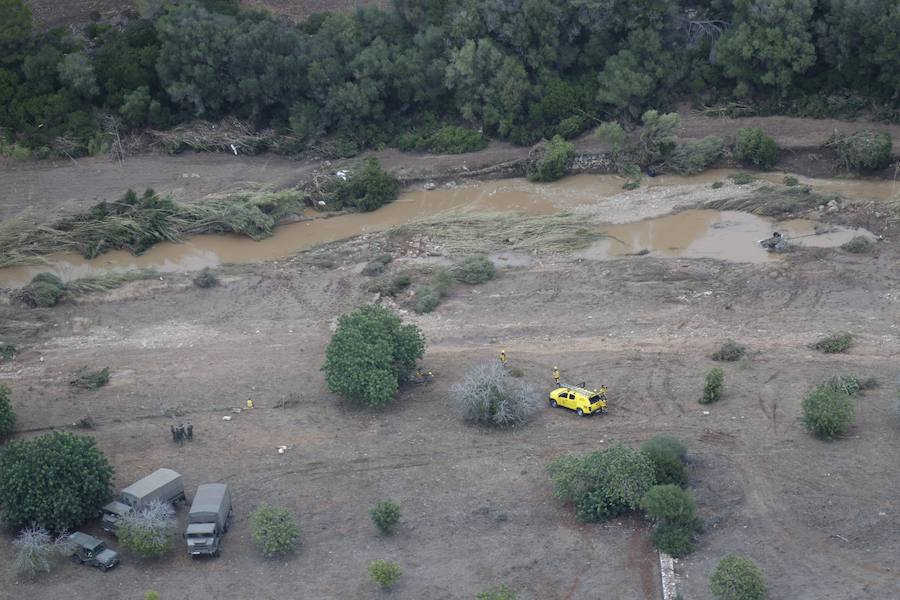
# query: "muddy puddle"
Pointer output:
{"type": "Point", "coordinates": [729, 236]}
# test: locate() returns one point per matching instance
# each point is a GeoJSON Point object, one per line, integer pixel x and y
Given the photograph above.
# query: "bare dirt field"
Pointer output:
{"type": "Point", "coordinates": [478, 509]}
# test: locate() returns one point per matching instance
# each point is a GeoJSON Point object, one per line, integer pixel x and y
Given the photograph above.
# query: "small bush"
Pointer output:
{"type": "Point", "coordinates": [274, 530]}
{"type": "Point", "coordinates": [206, 279]}
{"type": "Point", "coordinates": [151, 595]}
{"type": "Point", "coordinates": [790, 181]}
{"type": "Point", "coordinates": [497, 593]}
{"type": "Point", "coordinates": [391, 286]}
{"type": "Point", "coordinates": [365, 189]}
{"type": "Point", "coordinates": [551, 160]}
{"type": "Point", "coordinates": [712, 388]}
{"type": "Point", "coordinates": [756, 148]}
{"type": "Point", "coordinates": [36, 550]}
{"type": "Point", "coordinates": [670, 504]}
{"type": "Point", "coordinates": [490, 396]}
{"type": "Point", "coordinates": [8, 351]}
{"type": "Point", "coordinates": [150, 532]}
{"type": "Point", "coordinates": [716, 185]}
{"type": "Point", "coordinates": [44, 291]}
{"type": "Point", "coordinates": [848, 384]}
{"type": "Point", "coordinates": [602, 484]}
{"type": "Point", "coordinates": [737, 578]}
{"type": "Point", "coordinates": [827, 412]}
{"type": "Point", "coordinates": [865, 150]}
{"type": "Point", "coordinates": [378, 265]}
{"type": "Point", "coordinates": [386, 515]}
{"type": "Point", "coordinates": [385, 573]}
{"type": "Point", "coordinates": [696, 156]}
{"type": "Point", "coordinates": [666, 453]}
{"type": "Point", "coordinates": [741, 178]}
{"type": "Point", "coordinates": [730, 351]}
{"type": "Point", "coordinates": [475, 270]}
{"type": "Point", "coordinates": [451, 139]}
{"type": "Point", "coordinates": [860, 244]}
{"type": "Point", "coordinates": [426, 299]}
{"type": "Point", "coordinates": [570, 127]}
{"type": "Point", "coordinates": [834, 343]}
{"type": "Point", "coordinates": [90, 380]}
{"type": "Point", "coordinates": [673, 539]}
{"type": "Point", "coordinates": [7, 415]}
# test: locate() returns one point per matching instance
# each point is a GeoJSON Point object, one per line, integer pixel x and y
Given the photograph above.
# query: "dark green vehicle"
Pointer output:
{"type": "Point", "coordinates": [88, 550]}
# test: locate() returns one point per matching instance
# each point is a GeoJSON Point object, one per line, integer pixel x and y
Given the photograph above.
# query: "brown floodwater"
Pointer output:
{"type": "Point", "coordinates": [689, 233]}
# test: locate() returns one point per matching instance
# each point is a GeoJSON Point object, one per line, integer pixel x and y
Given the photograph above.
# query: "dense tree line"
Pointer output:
{"type": "Point", "coordinates": [516, 69]}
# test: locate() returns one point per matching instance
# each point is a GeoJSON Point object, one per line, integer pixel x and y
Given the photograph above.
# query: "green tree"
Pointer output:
{"type": "Point", "coordinates": [57, 480]}
{"type": "Point", "coordinates": [553, 160]}
{"type": "Point", "coordinates": [737, 578]}
{"type": "Point", "coordinates": [755, 148]}
{"type": "Point", "coordinates": [15, 30]}
{"type": "Point", "coordinates": [371, 354]}
{"type": "Point", "coordinates": [274, 530]}
{"type": "Point", "coordinates": [769, 44]}
{"type": "Point", "coordinates": [386, 515]}
{"type": "Point", "coordinates": [604, 483]}
{"type": "Point", "coordinates": [77, 72]}
{"type": "Point", "coordinates": [7, 415]}
{"type": "Point", "coordinates": [828, 412]}
{"type": "Point", "coordinates": [712, 387]}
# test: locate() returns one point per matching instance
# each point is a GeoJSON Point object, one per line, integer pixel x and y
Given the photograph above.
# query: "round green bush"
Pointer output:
{"type": "Point", "coordinates": [712, 387]}
{"type": "Point", "coordinates": [671, 504]}
{"type": "Point", "coordinates": [673, 539]}
{"type": "Point", "coordinates": [40, 471]}
{"type": "Point", "coordinates": [386, 515]}
{"type": "Point", "coordinates": [206, 279]}
{"type": "Point", "coordinates": [552, 160]}
{"type": "Point", "coordinates": [274, 530]}
{"type": "Point", "coordinates": [475, 270]}
{"type": "Point", "coordinates": [828, 412]}
{"type": "Point", "coordinates": [864, 150]}
{"type": "Point", "coordinates": [730, 351]}
{"type": "Point", "coordinates": [737, 578]}
{"type": "Point", "coordinates": [604, 483]}
{"type": "Point", "coordinates": [834, 343]}
{"type": "Point", "coordinates": [756, 148]}
{"type": "Point", "coordinates": [371, 354]}
{"type": "Point", "coordinates": [497, 593]}
{"type": "Point", "coordinates": [385, 573]}
{"type": "Point", "coordinates": [666, 453]}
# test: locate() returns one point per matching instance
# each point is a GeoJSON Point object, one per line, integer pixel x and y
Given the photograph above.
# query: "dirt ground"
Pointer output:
{"type": "Point", "coordinates": [478, 509]}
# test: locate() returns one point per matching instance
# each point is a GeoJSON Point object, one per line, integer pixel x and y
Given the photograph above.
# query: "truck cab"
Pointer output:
{"type": "Point", "coordinates": [202, 538]}
{"type": "Point", "coordinates": [88, 550]}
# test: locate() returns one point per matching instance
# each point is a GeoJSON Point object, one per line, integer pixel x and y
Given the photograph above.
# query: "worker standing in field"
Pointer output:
{"type": "Point", "coordinates": [556, 375]}
{"type": "Point", "coordinates": [503, 357]}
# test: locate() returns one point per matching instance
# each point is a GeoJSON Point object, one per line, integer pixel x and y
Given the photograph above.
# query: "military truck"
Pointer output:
{"type": "Point", "coordinates": [88, 550]}
{"type": "Point", "coordinates": [208, 519]}
{"type": "Point", "coordinates": [164, 485]}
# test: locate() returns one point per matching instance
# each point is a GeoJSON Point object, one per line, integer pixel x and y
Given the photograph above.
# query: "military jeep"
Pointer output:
{"type": "Point", "coordinates": [88, 550]}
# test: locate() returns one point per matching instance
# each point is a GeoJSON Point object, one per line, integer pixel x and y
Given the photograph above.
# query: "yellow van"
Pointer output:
{"type": "Point", "coordinates": [581, 400]}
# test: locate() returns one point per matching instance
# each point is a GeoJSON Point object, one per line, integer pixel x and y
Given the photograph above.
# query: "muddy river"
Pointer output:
{"type": "Point", "coordinates": [692, 233]}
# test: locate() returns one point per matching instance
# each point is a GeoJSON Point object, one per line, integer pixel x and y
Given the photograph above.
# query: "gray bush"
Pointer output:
{"type": "Point", "coordinates": [490, 396]}
{"type": "Point", "coordinates": [36, 549]}
{"type": "Point", "coordinates": [150, 531]}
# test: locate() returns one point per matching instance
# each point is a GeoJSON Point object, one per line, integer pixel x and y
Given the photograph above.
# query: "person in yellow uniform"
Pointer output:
{"type": "Point", "coordinates": [556, 375]}
{"type": "Point", "coordinates": [503, 357]}
{"type": "Point", "coordinates": [249, 403]}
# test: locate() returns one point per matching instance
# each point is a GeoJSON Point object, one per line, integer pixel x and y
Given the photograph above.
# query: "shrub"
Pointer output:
{"type": "Point", "coordinates": [673, 539]}
{"type": "Point", "coordinates": [7, 415]}
{"type": "Point", "coordinates": [737, 578]}
{"type": "Point", "coordinates": [712, 388]}
{"type": "Point", "coordinates": [365, 189]}
{"type": "Point", "coordinates": [391, 286]}
{"type": "Point", "coordinates": [790, 181]}
{"type": "Point", "coordinates": [490, 396]}
{"type": "Point", "coordinates": [39, 471]}
{"type": "Point", "coordinates": [378, 265]}
{"type": "Point", "coordinates": [149, 532]}
{"type": "Point", "coordinates": [151, 595]}
{"type": "Point", "coordinates": [90, 380]}
{"type": "Point", "coordinates": [667, 457]}
{"type": "Point", "coordinates": [716, 185]}
{"type": "Point", "coordinates": [860, 244]}
{"type": "Point", "coordinates": [475, 270]}
{"type": "Point", "coordinates": [848, 384]}
{"type": "Point", "coordinates": [551, 160]}
{"type": "Point", "coordinates": [426, 299]}
{"type": "Point", "coordinates": [386, 515]}
{"type": "Point", "coordinates": [371, 354]}
{"type": "Point", "coordinates": [729, 352]}
{"type": "Point", "coordinates": [206, 279]}
{"type": "Point", "coordinates": [497, 593]}
{"type": "Point", "coordinates": [865, 150]}
{"type": "Point", "coordinates": [451, 139]}
{"type": "Point", "coordinates": [44, 290]}
{"type": "Point", "coordinates": [274, 530]}
{"type": "Point", "coordinates": [670, 504]}
{"type": "Point", "coordinates": [604, 483]}
{"type": "Point", "coordinates": [741, 178]}
{"type": "Point", "coordinates": [696, 156]}
{"type": "Point", "coordinates": [385, 573]}
{"type": "Point", "coordinates": [834, 343]}
{"type": "Point", "coordinates": [827, 412]}
{"type": "Point", "coordinates": [657, 137]}
{"type": "Point", "coordinates": [756, 148]}
{"type": "Point", "coordinates": [36, 549]}
{"type": "Point", "coordinates": [8, 351]}
{"type": "Point", "coordinates": [570, 127]}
